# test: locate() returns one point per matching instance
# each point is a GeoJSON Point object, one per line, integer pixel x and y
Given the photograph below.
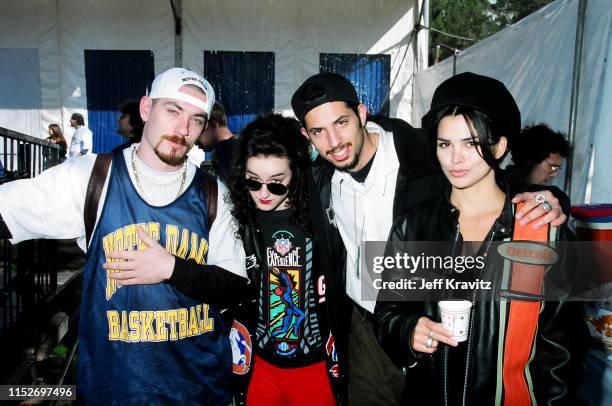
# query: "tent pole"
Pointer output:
{"type": "Point", "coordinates": [425, 63]}
{"type": "Point", "coordinates": [571, 135]}
{"type": "Point", "coordinates": [177, 12]}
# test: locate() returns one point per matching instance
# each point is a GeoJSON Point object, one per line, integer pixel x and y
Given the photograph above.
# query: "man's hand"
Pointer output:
{"type": "Point", "coordinates": [533, 209]}
{"type": "Point", "coordinates": [150, 266]}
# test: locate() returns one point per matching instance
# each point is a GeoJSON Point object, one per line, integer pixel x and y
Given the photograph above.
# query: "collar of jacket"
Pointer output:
{"type": "Point", "coordinates": [253, 244]}
{"type": "Point", "coordinates": [410, 144]}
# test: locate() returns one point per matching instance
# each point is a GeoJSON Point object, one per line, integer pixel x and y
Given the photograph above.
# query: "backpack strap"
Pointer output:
{"type": "Point", "coordinates": [211, 190]}
{"type": "Point", "coordinates": [94, 190]}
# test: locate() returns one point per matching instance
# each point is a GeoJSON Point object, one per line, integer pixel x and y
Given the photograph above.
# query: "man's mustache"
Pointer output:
{"type": "Point", "coordinates": [175, 138]}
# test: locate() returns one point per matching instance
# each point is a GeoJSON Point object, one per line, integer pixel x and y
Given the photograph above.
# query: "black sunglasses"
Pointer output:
{"type": "Point", "coordinates": [273, 187]}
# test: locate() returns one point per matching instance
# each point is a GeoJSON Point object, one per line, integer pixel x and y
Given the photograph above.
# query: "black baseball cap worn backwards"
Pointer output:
{"type": "Point", "coordinates": [320, 89]}
{"type": "Point", "coordinates": [481, 93]}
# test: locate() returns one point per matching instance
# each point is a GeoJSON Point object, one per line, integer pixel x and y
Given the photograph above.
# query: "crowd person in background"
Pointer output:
{"type": "Point", "coordinates": [82, 139]}
{"type": "Point", "coordinates": [130, 123]}
{"type": "Point", "coordinates": [370, 170]}
{"type": "Point", "coordinates": [522, 350]}
{"type": "Point", "coordinates": [56, 137]}
{"type": "Point", "coordinates": [218, 139]}
{"type": "Point", "coordinates": [149, 344]}
{"type": "Point", "coordinates": [292, 359]}
{"type": "Point", "coordinates": [537, 155]}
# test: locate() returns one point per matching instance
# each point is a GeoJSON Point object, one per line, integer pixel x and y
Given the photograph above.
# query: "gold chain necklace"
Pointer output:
{"type": "Point", "coordinates": [141, 189]}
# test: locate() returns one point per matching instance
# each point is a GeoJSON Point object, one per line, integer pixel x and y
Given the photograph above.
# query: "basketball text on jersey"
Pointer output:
{"type": "Point", "coordinates": [156, 326]}
{"type": "Point", "coordinates": [162, 325]}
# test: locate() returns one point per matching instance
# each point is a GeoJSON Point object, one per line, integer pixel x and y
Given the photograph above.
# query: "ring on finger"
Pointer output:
{"type": "Point", "coordinates": [429, 342]}
{"type": "Point", "coordinates": [539, 198]}
{"type": "Point", "coordinates": [546, 206]}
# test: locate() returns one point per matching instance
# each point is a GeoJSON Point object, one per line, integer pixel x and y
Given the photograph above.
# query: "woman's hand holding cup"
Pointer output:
{"type": "Point", "coordinates": [428, 334]}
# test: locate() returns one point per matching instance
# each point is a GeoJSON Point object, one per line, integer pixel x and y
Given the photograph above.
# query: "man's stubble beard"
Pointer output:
{"type": "Point", "coordinates": [355, 161]}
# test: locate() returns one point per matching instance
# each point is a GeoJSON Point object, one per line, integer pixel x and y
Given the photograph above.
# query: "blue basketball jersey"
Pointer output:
{"type": "Point", "coordinates": [149, 344]}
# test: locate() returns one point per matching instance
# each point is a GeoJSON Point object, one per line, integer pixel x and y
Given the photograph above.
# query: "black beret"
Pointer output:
{"type": "Point", "coordinates": [320, 89]}
{"type": "Point", "coordinates": [481, 93]}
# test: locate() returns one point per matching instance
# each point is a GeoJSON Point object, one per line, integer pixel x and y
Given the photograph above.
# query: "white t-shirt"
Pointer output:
{"type": "Point", "coordinates": [364, 212]}
{"type": "Point", "coordinates": [51, 206]}
{"type": "Point", "coordinates": [82, 139]}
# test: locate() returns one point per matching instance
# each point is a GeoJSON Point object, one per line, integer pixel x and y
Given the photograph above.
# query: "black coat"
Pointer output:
{"type": "Point", "coordinates": [560, 342]}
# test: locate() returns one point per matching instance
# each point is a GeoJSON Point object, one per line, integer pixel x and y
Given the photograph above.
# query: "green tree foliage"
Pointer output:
{"type": "Point", "coordinates": [515, 10]}
{"type": "Point", "coordinates": [474, 19]}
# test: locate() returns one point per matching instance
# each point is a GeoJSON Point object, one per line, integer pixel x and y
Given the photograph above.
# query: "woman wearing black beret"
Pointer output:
{"type": "Point", "coordinates": [520, 349]}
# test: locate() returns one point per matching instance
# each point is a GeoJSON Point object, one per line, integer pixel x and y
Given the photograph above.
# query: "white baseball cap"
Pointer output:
{"type": "Point", "coordinates": [167, 85]}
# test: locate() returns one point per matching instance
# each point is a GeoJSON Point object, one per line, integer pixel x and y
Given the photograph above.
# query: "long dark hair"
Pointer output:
{"type": "Point", "coordinates": [272, 135]}
{"type": "Point", "coordinates": [482, 130]}
{"type": "Point", "coordinates": [57, 136]}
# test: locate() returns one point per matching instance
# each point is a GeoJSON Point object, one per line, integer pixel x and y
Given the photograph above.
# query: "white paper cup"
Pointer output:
{"type": "Point", "coordinates": [456, 317]}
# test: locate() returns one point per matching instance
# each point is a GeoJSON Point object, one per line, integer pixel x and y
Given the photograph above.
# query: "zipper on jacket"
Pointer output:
{"type": "Point", "coordinates": [472, 318]}
{"type": "Point", "coordinates": [445, 349]}
{"type": "Point", "coordinates": [445, 373]}
{"type": "Point", "coordinates": [469, 351]}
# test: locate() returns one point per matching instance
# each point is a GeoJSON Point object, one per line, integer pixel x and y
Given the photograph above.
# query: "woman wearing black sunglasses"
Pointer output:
{"type": "Point", "coordinates": [287, 319]}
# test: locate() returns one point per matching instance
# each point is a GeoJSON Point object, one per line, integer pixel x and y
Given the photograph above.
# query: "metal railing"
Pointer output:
{"type": "Point", "coordinates": [26, 270]}
{"type": "Point", "coordinates": [23, 156]}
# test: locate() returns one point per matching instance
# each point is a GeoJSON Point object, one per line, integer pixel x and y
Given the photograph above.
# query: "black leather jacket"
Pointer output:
{"type": "Point", "coordinates": [560, 344]}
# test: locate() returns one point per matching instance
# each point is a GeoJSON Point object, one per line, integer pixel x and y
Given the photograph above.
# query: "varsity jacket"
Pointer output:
{"type": "Point", "coordinates": [473, 374]}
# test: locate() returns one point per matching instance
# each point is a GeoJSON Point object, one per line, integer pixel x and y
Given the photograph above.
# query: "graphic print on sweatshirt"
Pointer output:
{"type": "Point", "coordinates": [285, 293]}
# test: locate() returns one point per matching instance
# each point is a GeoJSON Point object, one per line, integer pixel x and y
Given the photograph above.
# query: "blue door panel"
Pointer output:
{"type": "Point", "coordinates": [113, 77]}
{"type": "Point", "coordinates": [243, 83]}
{"type": "Point", "coordinates": [368, 73]}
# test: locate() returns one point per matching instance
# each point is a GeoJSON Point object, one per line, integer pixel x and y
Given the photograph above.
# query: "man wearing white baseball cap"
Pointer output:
{"type": "Point", "coordinates": [143, 344]}
{"type": "Point", "coordinates": [169, 85]}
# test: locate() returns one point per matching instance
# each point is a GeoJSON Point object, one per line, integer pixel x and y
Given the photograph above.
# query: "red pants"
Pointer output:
{"type": "Point", "coordinates": [307, 386]}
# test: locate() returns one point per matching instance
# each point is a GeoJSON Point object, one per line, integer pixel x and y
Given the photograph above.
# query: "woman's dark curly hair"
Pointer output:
{"type": "Point", "coordinates": [272, 135]}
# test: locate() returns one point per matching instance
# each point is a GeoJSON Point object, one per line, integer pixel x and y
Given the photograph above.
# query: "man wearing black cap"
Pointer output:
{"type": "Point", "coordinates": [370, 170]}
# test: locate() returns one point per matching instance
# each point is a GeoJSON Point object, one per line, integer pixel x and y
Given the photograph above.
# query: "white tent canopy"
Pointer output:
{"type": "Point", "coordinates": [535, 59]}
{"type": "Point", "coordinates": [58, 32]}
